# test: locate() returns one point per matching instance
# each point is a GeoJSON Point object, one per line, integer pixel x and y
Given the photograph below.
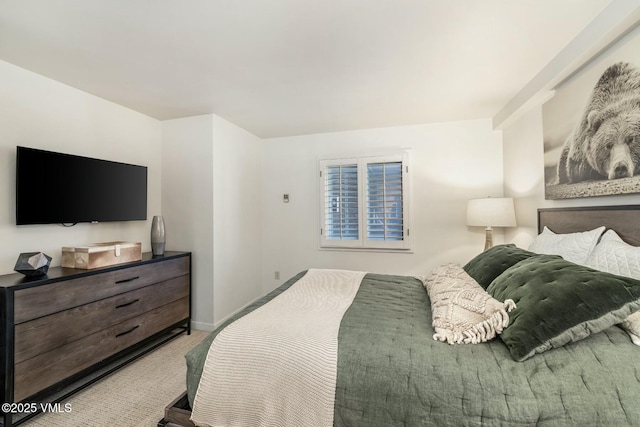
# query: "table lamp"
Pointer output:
{"type": "Point", "coordinates": [491, 212]}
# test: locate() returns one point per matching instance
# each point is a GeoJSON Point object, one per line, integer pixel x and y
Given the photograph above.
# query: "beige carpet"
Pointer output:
{"type": "Point", "coordinates": [136, 395]}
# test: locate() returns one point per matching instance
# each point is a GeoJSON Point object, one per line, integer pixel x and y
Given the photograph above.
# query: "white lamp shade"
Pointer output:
{"type": "Point", "coordinates": [491, 212]}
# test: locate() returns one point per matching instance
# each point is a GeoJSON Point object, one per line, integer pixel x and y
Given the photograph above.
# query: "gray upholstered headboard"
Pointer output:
{"type": "Point", "coordinates": [624, 220]}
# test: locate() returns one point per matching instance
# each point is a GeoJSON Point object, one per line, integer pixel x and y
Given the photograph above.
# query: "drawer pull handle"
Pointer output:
{"type": "Point", "coordinates": [128, 332]}
{"type": "Point", "coordinates": [127, 280]}
{"type": "Point", "coordinates": [128, 303]}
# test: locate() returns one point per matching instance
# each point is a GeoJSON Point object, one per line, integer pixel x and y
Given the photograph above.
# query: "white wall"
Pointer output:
{"type": "Point", "coordinates": [237, 218]}
{"type": "Point", "coordinates": [38, 112]}
{"type": "Point", "coordinates": [524, 175]}
{"type": "Point", "coordinates": [211, 203]}
{"type": "Point", "coordinates": [182, 157]}
{"type": "Point", "coordinates": [451, 163]}
{"type": "Point", "coordinates": [524, 156]}
{"type": "Point", "coordinates": [187, 204]}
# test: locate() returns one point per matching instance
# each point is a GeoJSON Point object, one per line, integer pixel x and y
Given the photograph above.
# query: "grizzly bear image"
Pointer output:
{"type": "Point", "coordinates": [605, 144]}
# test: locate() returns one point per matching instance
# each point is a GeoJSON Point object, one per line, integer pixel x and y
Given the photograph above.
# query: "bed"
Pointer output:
{"type": "Point", "coordinates": [391, 371]}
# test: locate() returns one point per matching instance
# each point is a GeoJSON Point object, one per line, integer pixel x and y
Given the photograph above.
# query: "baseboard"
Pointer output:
{"type": "Point", "coordinates": [221, 321]}
{"type": "Point", "coordinates": [200, 326]}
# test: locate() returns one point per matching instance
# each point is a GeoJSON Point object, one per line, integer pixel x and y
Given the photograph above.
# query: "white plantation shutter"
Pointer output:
{"type": "Point", "coordinates": [385, 209]}
{"type": "Point", "coordinates": [341, 202]}
{"type": "Point", "coordinates": [364, 202]}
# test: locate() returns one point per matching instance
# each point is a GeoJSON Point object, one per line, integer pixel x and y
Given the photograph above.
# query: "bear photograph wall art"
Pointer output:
{"type": "Point", "coordinates": [591, 129]}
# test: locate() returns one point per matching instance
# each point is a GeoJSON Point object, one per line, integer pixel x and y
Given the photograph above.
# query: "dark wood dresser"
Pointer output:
{"type": "Point", "coordinates": [71, 324]}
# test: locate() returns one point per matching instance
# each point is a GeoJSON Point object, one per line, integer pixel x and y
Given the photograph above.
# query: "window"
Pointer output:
{"type": "Point", "coordinates": [364, 202]}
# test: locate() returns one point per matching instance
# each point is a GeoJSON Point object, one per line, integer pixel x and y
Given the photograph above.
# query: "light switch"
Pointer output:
{"type": "Point", "coordinates": [285, 198]}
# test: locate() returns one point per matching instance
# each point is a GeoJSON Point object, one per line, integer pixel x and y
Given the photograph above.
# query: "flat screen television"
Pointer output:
{"type": "Point", "coordinates": [57, 188]}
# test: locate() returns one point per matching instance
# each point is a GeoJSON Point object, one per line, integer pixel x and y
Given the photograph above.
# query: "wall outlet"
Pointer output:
{"type": "Point", "coordinates": [276, 275]}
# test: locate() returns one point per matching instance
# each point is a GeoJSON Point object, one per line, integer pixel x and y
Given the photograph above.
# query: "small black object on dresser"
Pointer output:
{"type": "Point", "coordinates": [62, 332]}
{"type": "Point", "coordinates": [33, 264]}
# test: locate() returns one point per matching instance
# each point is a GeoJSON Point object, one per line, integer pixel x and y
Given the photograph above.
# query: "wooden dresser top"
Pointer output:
{"type": "Point", "coordinates": [56, 274]}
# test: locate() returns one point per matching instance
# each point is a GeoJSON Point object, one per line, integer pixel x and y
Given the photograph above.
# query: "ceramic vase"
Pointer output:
{"type": "Point", "coordinates": [158, 237]}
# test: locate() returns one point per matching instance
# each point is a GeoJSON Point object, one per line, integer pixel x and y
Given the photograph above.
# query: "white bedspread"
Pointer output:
{"type": "Point", "coordinates": [278, 364]}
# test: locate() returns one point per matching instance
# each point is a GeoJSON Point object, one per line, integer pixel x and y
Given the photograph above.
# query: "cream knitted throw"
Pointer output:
{"type": "Point", "coordinates": [463, 312]}
{"type": "Point", "coordinates": [277, 365]}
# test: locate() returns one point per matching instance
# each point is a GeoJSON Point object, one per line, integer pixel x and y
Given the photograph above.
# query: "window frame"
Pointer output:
{"type": "Point", "coordinates": [363, 242]}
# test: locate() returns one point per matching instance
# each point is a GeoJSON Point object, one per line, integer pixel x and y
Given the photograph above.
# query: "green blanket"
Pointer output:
{"type": "Point", "coordinates": [392, 373]}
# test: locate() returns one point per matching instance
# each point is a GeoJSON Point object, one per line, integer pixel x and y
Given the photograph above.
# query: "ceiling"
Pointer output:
{"type": "Point", "coordinates": [292, 67]}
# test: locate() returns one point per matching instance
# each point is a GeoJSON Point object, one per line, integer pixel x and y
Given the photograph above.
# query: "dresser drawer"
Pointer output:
{"type": "Point", "coordinates": [47, 369]}
{"type": "Point", "coordinates": [55, 330]}
{"type": "Point", "coordinates": [40, 301]}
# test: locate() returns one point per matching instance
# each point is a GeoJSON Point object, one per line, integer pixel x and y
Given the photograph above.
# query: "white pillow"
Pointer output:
{"type": "Point", "coordinates": [574, 247]}
{"type": "Point", "coordinates": [613, 255]}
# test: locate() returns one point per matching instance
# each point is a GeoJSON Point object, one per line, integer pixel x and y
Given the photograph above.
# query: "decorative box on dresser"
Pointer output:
{"type": "Point", "coordinates": [60, 329]}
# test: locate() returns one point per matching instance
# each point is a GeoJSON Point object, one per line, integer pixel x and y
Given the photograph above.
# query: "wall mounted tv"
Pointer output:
{"type": "Point", "coordinates": [57, 188]}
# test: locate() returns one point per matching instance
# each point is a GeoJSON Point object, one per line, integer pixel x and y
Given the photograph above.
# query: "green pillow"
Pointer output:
{"type": "Point", "coordinates": [492, 262]}
{"type": "Point", "coordinates": [558, 302]}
